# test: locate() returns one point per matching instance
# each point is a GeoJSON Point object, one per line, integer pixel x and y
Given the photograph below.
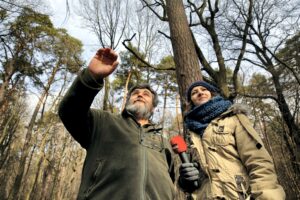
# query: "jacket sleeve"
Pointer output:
{"type": "Point", "coordinates": [74, 109]}
{"type": "Point", "coordinates": [170, 157]}
{"type": "Point", "coordinates": [259, 164]}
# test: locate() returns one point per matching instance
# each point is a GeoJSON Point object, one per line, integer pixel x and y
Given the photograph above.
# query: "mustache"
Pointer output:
{"type": "Point", "coordinates": [139, 99]}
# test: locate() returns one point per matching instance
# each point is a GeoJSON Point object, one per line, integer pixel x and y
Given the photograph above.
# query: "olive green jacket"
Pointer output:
{"type": "Point", "coordinates": [124, 160]}
{"type": "Point", "coordinates": [236, 163]}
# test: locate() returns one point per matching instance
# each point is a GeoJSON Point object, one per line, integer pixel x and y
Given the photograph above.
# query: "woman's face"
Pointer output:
{"type": "Point", "coordinates": [200, 95]}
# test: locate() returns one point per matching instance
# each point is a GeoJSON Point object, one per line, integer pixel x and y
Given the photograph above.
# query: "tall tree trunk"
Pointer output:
{"type": "Point", "coordinates": [178, 121]}
{"type": "Point", "coordinates": [185, 57]}
{"type": "Point", "coordinates": [33, 192]}
{"type": "Point", "coordinates": [9, 71]}
{"type": "Point", "coordinates": [165, 105]}
{"type": "Point", "coordinates": [40, 159]}
{"type": "Point", "coordinates": [57, 170]}
{"type": "Point", "coordinates": [106, 94]}
{"type": "Point", "coordinates": [8, 129]}
{"type": "Point", "coordinates": [47, 177]}
{"type": "Point", "coordinates": [126, 90]}
{"type": "Point", "coordinates": [294, 130]}
{"type": "Point", "coordinates": [15, 195]}
{"type": "Point", "coordinates": [263, 127]}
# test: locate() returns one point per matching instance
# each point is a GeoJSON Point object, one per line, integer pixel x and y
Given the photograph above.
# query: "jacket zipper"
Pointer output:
{"type": "Point", "coordinates": [144, 161]}
{"type": "Point", "coordinates": [143, 168]}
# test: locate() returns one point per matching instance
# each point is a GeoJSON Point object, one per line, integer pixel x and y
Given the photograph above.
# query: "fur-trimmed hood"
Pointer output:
{"type": "Point", "coordinates": [238, 109]}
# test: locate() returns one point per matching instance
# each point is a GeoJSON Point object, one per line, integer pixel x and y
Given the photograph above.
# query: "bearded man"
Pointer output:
{"type": "Point", "coordinates": [127, 156]}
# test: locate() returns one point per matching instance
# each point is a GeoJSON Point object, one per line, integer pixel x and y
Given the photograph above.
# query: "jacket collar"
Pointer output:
{"type": "Point", "coordinates": [233, 110]}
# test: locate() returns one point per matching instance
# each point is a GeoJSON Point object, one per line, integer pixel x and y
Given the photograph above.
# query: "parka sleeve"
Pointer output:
{"type": "Point", "coordinates": [170, 157]}
{"type": "Point", "coordinates": [263, 179]}
{"type": "Point", "coordinates": [74, 109]}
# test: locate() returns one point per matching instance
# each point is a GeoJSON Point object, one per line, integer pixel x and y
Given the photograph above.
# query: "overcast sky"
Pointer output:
{"type": "Point", "coordinates": [74, 26]}
{"type": "Point", "coordinates": [58, 11]}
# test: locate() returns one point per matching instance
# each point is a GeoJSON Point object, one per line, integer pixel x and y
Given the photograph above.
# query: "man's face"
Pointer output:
{"type": "Point", "coordinates": [140, 103]}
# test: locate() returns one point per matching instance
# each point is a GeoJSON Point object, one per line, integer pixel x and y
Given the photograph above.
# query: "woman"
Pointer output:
{"type": "Point", "coordinates": [231, 154]}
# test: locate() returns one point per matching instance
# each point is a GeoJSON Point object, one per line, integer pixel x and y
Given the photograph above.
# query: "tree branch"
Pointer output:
{"type": "Point", "coordinates": [259, 97]}
{"type": "Point", "coordinates": [164, 34]}
{"type": "Point", "coordinates": [162, 18]}
{"type": "Point", "coordinates": [141, 59]}
{"type": "Point", "coordinates": [243, 49]}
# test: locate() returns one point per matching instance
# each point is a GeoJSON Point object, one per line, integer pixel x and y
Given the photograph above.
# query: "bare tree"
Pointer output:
{"type": "Point", "coordinates": [268, 121]}
{"type": "Point", "coordinates": [185, 57]}
{"type": "Point", "coordinates": [273, 22]}
{"type": "Point", "coordinates": [107, 20]}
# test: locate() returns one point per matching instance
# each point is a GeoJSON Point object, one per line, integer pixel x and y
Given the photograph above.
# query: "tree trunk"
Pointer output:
{"type": "Point", "coordinates": [56, 179]}
{"type": "Point", "coordinates": [9, 71]}
{"type": "Point", "coordinates": [165, 104]}
{"type": "Point", "coordinates": [40, 159]}
{"type": "Point", "coordinates": [106, 94]}
{"type": "Point", "coordinates": [185, 57]}
{"type": "Point", "coordinates": [294, 130]}
{"type": "Point", "coordinates": [26, 148]}
{"type": "Point", "coordinates": [33, 192]}
{"type": "Point", "coordinates": [126, 90]}
{"type": "Point", "coordinates": [178, 121]}
{"type": "Point", "coordinates": [46, 182]}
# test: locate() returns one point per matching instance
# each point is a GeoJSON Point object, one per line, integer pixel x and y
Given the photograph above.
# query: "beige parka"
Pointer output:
{"type": "Point", "coordinates": [235, 160]}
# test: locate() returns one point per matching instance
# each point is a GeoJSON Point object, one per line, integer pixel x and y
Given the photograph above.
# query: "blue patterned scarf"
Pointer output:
{"type": "Point", "coordinates": [199, 117]}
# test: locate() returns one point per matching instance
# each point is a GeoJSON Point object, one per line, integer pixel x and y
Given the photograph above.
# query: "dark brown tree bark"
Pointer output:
{"type": "Point", "coordinates": [185, 57]}
{"type": "Point", "coordinates": [294, 130]}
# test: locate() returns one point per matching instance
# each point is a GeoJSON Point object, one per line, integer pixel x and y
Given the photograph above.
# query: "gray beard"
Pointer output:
{"type": "Point", "coordinates": [140, 112]}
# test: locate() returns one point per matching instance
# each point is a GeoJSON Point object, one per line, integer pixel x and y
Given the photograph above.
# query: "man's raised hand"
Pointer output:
{"type": "Point", "coordinates": [103, 63]}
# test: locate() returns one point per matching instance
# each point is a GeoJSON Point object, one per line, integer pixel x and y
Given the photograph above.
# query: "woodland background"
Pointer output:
{"type": "Point", "coordinates": [250, 49]}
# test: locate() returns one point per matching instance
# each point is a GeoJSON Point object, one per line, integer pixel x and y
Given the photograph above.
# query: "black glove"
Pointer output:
{"type": "Point", "coordinates": [189, 173]}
